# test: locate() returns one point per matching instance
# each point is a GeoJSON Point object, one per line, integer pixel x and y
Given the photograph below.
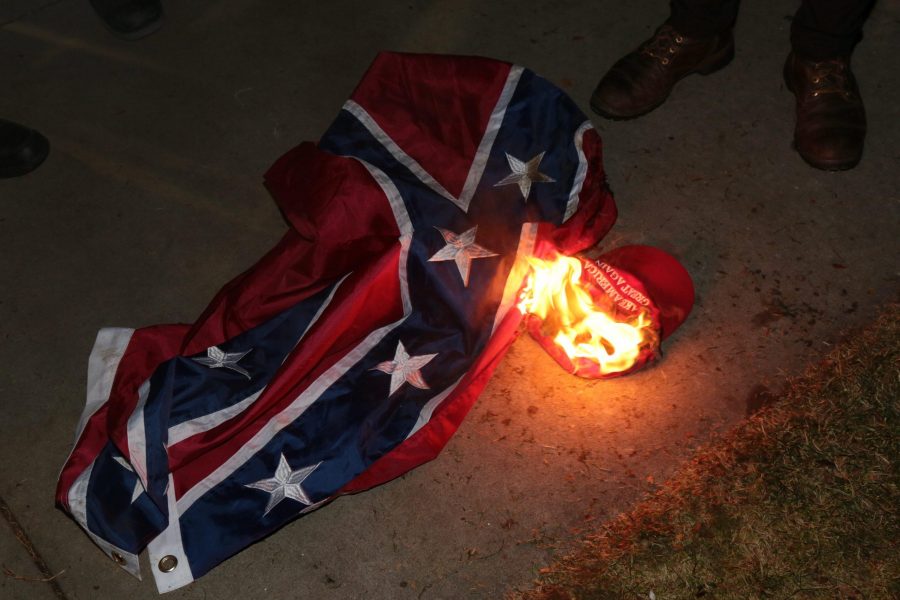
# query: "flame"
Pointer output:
{"type": "Point", "coordinates": [583, 329]}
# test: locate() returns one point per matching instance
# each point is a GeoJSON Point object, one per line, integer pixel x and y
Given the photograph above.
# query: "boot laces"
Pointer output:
{"type": "Point", "coordinates": [831, 77]}
{"type": "Point", "coordinates": [663, 44]}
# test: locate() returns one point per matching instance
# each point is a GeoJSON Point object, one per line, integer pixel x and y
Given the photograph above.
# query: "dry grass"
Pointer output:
{"type": "Point", "coordinates": [799, 501]}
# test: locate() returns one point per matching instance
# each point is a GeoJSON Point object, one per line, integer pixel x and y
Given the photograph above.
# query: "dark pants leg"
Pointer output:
{"type": "Point", "coordinates": [824, 29]}
{"type": "Point", "coordinates": [703, 18]}
{"type": "Point", "coordinates": [821, 29]}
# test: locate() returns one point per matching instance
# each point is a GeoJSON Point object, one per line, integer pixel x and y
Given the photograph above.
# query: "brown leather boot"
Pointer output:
{"type": "Point", "coordinates": [643, 79]}
{"type": "Point", "coordinates": [831, 118]}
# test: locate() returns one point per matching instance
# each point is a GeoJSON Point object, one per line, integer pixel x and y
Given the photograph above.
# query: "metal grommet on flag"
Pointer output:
{"type": "Point", "coordinates": [118, 558]}
{"type": "Point", "coordinates": [168, 563]}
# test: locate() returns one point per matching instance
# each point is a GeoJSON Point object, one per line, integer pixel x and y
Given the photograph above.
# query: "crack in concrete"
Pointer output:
{"type": "Point", "coordinates": [19, 532]}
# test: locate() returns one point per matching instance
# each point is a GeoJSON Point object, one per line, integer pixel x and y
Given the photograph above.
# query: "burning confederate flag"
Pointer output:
{"type": "Point", "coordinates": [351, 352]}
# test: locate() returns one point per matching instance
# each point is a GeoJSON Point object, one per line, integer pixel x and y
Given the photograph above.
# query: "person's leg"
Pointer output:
{"type": "Point", "coordinates": [22, 150]}
{"type": "Point", "coordinates": [696, 38]}
{"type": "Point", "coordinates": [826, 29]}
{"type": "Point", "coordinates": [831, 119]}
{"type": "Point", "coordinates": [702, 18]}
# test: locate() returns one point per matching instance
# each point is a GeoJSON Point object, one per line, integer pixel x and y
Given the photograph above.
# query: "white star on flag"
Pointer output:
{"type": "Point", "coordinates": [405, 369]}
{"type": "Point", "coordinates": [217, 358]}
{"type": "Point", "coordinates": [524, 173]}
{"type": "Point", "coordinates": [138, 486]}
{"type": "Point", "coordinates": [285, 484]}
{"type": "Point", "coordinates": [462, 249]}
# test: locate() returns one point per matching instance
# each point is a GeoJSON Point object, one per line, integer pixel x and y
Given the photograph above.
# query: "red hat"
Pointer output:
{"type": "Point", "coordinates": [631, 280]}
{"type": "Point", "coordinates": [666, 281]}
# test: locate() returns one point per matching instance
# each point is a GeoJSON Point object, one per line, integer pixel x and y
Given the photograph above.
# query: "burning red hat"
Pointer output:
{"type": "Point", "coordinates": [641, 287]}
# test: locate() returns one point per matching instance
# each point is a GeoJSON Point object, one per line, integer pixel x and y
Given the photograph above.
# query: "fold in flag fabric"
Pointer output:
{"type": "Point", "coordinates": [351, 352]}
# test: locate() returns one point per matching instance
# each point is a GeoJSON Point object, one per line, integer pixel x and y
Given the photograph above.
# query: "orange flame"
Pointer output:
{"type": "Point", "coordinates": [577, 324]}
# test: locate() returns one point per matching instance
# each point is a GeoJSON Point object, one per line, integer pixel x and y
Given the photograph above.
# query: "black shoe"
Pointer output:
{"type": "Point", "coordinates": [831, 118]}
{"type": "Point", "coordinates": [643, 79]}
{"type": "Point", "coordinates": [22, 150]}
{"type": "Point", "coordinates": [130, 19]}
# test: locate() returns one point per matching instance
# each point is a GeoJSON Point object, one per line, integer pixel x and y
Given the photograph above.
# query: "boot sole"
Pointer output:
{"type": "Point", "coordinates": [715, 63]}
{"type": "Point", "coordinates": [828, 165]}
{"type": "Point", "coordinates": [137, 34]}
{"type": "Point", "coordinates": [9, 172]}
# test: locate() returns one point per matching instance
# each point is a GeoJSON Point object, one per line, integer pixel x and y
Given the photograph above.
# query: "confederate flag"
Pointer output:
{"type": "Point", "coordinates": [351, 352]}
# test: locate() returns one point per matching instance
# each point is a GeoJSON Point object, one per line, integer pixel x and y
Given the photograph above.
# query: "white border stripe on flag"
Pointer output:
{"type": "Point", "coordinates": [580, 173]}
{"type": "Point", "coordinates": [490, 135]}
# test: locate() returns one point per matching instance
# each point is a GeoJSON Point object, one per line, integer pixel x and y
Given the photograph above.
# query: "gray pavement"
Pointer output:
{"type": "Point", "coordinates": [152, 198]}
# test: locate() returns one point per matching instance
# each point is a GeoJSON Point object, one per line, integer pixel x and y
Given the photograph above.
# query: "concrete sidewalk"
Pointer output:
{"type": "Point", "coordinates": [152, 199]}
